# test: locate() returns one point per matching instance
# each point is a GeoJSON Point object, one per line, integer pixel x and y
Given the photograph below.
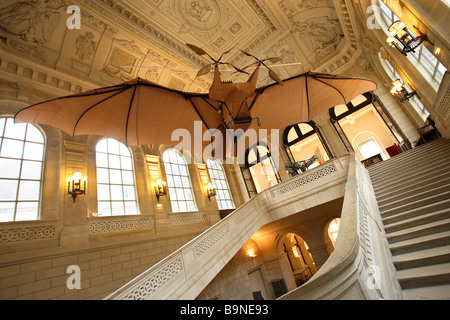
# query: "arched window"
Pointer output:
{"type": "Point", "coordinates": [423, 59]}
{"type": "Point", "coordinates": [179, 182]}
{"type": "Point", "coordinates": [415, 102]}
{"type": "Point", "coordinates": [341, 111]}
{"type": "Point", "coordinates": [333, 230]}
{"type": "Point", "coordinates": [220, 183]}
{"type": "Point", "coordinates": [116, 191]}
{"type": "Point", "coordinates": [303, 140]}
{"type": "Point", "coordinates": [21, 170]}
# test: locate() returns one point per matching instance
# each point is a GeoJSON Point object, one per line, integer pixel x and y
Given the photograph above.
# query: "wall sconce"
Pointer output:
{"type": "Point", "coordinates": [210, 191]}
{"type": "Point", "coordinates": [399, 90]}
{"type": "Point", "coordinates": [160, 188]}
{"type": "Point", "coordinates": [76, 185]}
{"type": "Point", "coordinates": [402, 39]}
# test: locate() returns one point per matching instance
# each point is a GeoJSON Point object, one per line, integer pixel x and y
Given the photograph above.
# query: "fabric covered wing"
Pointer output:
{"type": "Point", "coordinates": [135, 113]}
{"type": "Point", "coordinates": [303, 97]}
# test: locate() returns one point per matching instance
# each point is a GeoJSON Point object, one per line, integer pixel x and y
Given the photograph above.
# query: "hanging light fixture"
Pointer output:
{"type": "Point", "coordinates": [160, 188]}
{"type": "Point", "coordinates": [402, 39]}
{"type": "Point", "coordinates": [76, 185]}
{"type": "Point", "coordinates": [399, 90]}
{"type": "Point", "coordinates": [210, 191]}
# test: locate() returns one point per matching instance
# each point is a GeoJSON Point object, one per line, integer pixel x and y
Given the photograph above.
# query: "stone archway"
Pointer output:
{"type": "Point", "coordinates": [295, 260]}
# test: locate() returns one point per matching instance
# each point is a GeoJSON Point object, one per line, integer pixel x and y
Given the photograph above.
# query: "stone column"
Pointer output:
{"type": "Point", "coordinates": [75, 226]}
{"type": "Point", "coordinates": [330, 135]}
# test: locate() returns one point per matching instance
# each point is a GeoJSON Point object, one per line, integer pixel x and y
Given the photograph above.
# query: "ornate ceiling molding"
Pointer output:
{"type": "Point", "coordinates": [121, 39]}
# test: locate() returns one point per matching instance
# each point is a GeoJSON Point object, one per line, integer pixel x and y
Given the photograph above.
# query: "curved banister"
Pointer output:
{"type": "Point", "coordinates": [361, 265]}
{"type": "Point", "coordinates": [187, 271]}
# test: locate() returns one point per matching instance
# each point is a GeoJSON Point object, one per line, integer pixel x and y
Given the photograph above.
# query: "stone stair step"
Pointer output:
{"type": "Point", "coordinates": [418, 151]}
{"type": "Point", "coordinates": [412, 210]}
{"type": "Point", "coordinates": [418, 231]}
{"type": "Point", "coordinates": [427, 293]}
{"type": "Point", "coordinates": [422, 258]}
{"type": "Point", "coordinates": [410, 165]}
{"type": "Point", "coordinates": [438, 274]}
{"type": "Point", "coordinates": [413, 195]}
{"type": "Point", "coordinates": [403, 185]}
{"type": "Point", "coordinates": [420, 243]}
{"type": "Point", "coordinates": [418, 220]}
{"type": "Point", "coordinates": [397, 179]}
{"type": "Point", "coordinates": [408, 189]}
{"type": "Point", "coordinates": [422, 194]}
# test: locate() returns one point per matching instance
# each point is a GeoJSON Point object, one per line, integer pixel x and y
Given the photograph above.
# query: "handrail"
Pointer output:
{"type": "Point", "coordinates": [361, 265]}
{"type": "Point", "coordinates": [187, 271]}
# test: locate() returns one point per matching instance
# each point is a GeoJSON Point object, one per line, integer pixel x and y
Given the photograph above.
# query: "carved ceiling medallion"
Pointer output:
{"type": "Point", "coordinates": [199, 14]}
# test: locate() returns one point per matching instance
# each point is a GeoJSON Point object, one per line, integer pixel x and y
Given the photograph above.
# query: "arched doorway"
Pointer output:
{"type": "Point", "coordinates": [298, 258]}
{"type": "Point", "coordinates": [260, 168]}
{"type": "Point", "coordinates": [366, 127]}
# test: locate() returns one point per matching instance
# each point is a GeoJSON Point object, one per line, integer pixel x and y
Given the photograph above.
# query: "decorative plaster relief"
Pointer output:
{"type": "Point", "coordinates": [324, 35]}
{"type": "Point", "coordinates": [27, 25]}
{"type": "Point", "coordinates": [85, 46]}
{"type": "Point", "coordinates": [363, 64]}
{"type": "Point", "coordinates": [123, 53]}
{"type": "Point", "coordinates": [199, 13]}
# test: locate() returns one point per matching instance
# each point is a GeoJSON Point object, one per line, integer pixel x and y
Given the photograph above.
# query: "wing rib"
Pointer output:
{"type": "Point", "coordinates": [94, 105]}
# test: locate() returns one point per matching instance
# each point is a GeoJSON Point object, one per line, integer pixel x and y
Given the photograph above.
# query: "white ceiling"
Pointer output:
{"type": "Point", "coordinates": [151, 36]}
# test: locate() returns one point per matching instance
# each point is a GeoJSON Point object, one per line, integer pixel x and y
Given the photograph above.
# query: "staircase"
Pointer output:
{"type": "Point", "coordinates": [413, 194]}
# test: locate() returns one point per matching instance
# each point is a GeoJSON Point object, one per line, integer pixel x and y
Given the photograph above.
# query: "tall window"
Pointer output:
{"type": "Point", "coordinates": [422, 58]}
{"type": "Point", "coordinates": [21, 168]}
{"type": "Point", "coordinates": [262, 166]}
{"type": "Point", "coordinates": [415, 102]}
{"type": "Point", "coordinates": [220, 183]}
{"type": "Point", "coordinates": [388, 16]}
{"type": "Point", "coordinates": [179, 182]}
{"type": "Point", "coordinates": [116, 191]}
{"type": "Point", "coordinates": [430, 64]}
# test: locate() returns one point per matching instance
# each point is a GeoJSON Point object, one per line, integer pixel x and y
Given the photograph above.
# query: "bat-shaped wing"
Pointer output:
{"type": "Point", "coordinates": [301, 98]}
{"type": "Point", "coordinates": [136, 112]}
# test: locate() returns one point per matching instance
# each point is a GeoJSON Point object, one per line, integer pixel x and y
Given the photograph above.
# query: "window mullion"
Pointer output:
{"type": "Point", "coordinates": [20, 173]}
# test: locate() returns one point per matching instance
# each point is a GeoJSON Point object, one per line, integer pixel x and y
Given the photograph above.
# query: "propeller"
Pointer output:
{"type": "Point", "coordinates": [207, 68]}
{"type": "Point", "coordinates": [272, 74]}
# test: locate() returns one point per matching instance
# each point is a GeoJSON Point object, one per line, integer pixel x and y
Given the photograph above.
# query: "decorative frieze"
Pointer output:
{"type": "Point", "coordinates": [17, 234]}
{"type": "Point", "coordinates": [443, 101]}
{"type": "Point", "coordinates": [304, 179]}
{"type": "Point", "coordinates": [244, 213]}
{"type": "Point", "coordinates": [117, 224]}
{"type": "Point", "coordinates": [155, 280]}
{"type": "Point", "coordinates": [211, 238]}
{"type": "Point", "coordinates": [188, 218]}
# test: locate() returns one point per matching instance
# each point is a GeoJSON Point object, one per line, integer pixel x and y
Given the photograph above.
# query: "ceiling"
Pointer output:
{"type": "Point", "coordinates": [119, 40]}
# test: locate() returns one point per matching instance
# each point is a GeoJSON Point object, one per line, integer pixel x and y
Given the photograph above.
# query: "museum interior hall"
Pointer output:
{"type": "Point", "coordinates": [224, 150]}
